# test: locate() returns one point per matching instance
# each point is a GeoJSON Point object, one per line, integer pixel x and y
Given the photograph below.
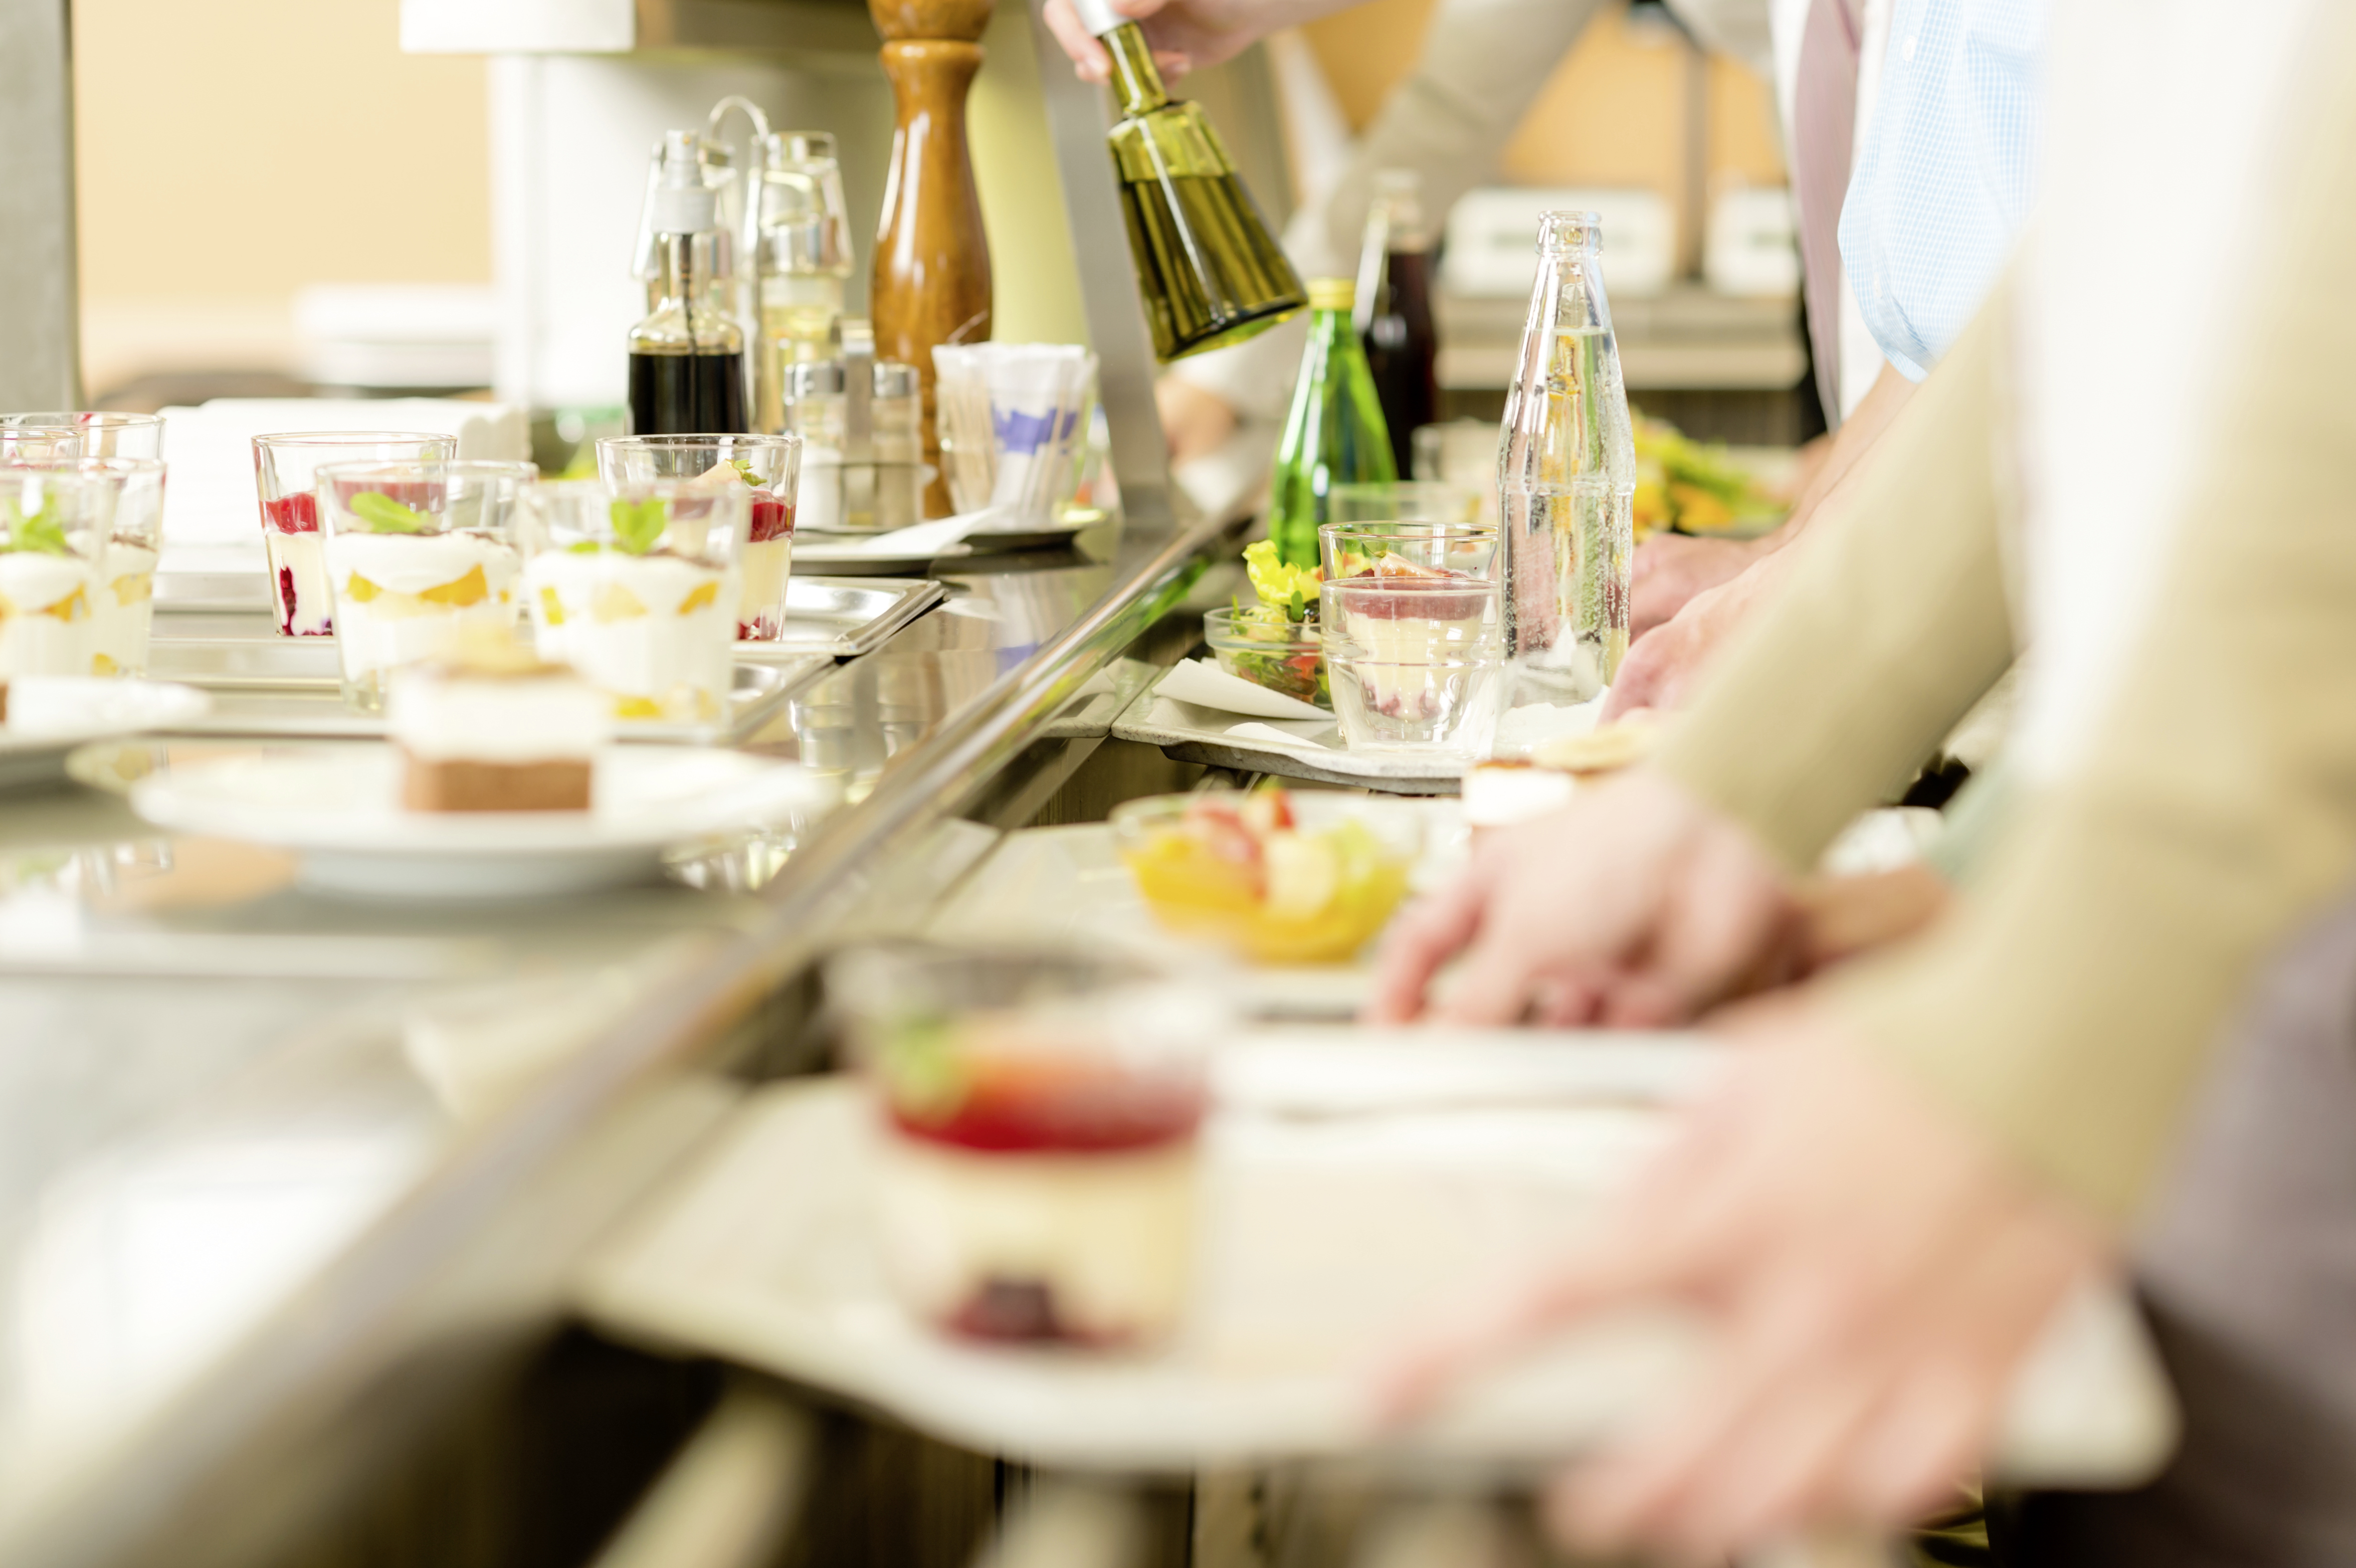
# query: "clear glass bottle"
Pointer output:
{"type": "Point", "coordinates": [1333, 434]}
{"type": "Point", "coordinates": [805, 258]}
{"type": "Point", "coordinates": [1208, 271]}
{"type": "Point", "coordinates": [1394, 309]}
{"type": "Point", "coordinates": [1567, 479]}
{"type": "Point", "coordinates": [687, 357]}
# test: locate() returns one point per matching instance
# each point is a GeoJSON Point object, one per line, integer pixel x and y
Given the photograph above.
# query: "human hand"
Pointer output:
{"type": "Point", "coordinates": [1185, 33]}
{"type": "Point", "coordinates": [1876, 1274]}
{"type": "Point", "coordinates": [1669, 569]}
{"type": "Point", "coordinates": [1636, 906]}
{"type": "Point", "coordinates": [1665, 666]}
{"type": "Point", "coordinates": [1194, 421]}
{"type": "Point", "coordinates": [1842, 916]}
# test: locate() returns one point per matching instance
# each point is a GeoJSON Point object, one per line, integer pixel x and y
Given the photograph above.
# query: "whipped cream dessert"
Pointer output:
{"type": "Point", "coordinates": [124, 608]}
{"type": "Point", "coordinates": [298, 566]}
{"type": "Point", "coordinates": [1413, 661]}
{"type": "Point", "coordinates": [403, 597]}
{"type": "Point", "coordinates": [48, 614]}
{"type": "Point", "coordinates": [656, 633]}
{"type": "Point", "coordinates": [1055, 1200]}
{"type": "Point", "coordinates": [496, 733]}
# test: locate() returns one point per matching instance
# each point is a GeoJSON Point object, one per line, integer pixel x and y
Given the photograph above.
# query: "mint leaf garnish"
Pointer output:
{"type": "Point", "coordinates": [43, 533]}
{"type": "Point", "coordinates": [385, 515]}
{"type": "Point", "coordinates": [638, 524]}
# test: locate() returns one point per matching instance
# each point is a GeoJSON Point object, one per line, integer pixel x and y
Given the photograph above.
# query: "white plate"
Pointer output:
{"type": "Point", "coordinates": [48, 716]}
{"type": "Point", "coordinates": [339, 809]}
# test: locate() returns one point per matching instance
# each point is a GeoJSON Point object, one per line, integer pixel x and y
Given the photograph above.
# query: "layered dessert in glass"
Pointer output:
{"type": "Point", "coordinates": [285, 468]}
{"type": "Point", "coordinates": [1413, 626]}
{"type": "Point", "coordinates": [51, 544]}
{"type": "Point", "coordinates": [496, 729]}
{"type": "Point", "coordinates": [118, 524]}
{"type": "Point", "coordinates": [635, 586]}
{"type": "Point", "coordinates": [422, 558]}
{"type": "Point", "coordinates": [1038, 1166]}
{"type": "Point", "coordinates": [770, 469]}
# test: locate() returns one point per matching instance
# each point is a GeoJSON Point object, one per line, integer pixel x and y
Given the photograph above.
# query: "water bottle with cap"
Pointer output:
{"type": "Point", "coordinates": [687, 357]}
{"type": "Point", "coordinates": [1208, 271]}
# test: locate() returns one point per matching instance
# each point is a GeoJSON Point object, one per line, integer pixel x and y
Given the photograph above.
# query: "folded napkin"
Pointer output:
{"type": "Point", "coordinates": [1204, 684]}
{"type": "Point", "coordinates": [932, 538]}
{"type": "Point", "coordinates": [1268, 735]}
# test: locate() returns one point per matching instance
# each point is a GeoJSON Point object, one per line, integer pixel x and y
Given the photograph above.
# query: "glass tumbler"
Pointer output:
{"type": "Point", "coordinates": [283, 468]}
{"type": "Point", "coordinates": [126, 520]}
{"type": "Point", "coordinates": [98, 432]}
{"type": "Point", "coordinates": [769, 466]}
{"type": "Point", "coordinates": [421, 558]}
{"type": "Point", "coordinates": [1412, 615]}
{"type": "Point", "coordinates": [1036, 1163]}
{"type": "Point", "coordinates": [53, 541]}
{"type": "Point", "coordinates": [635, 585]}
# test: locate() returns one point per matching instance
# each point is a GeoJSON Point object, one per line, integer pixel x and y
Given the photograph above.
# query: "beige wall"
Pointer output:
{"type": "Point", "coordinates": [232, 151]}
{"type": "Point", "coordinates": [1611, 114]}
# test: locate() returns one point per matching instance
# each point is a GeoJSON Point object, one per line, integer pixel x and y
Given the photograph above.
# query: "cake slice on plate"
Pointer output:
{"type": "Point", "coordinates": [496, 730]}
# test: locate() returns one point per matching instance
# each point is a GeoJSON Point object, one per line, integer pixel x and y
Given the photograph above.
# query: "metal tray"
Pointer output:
{"type": "Point", "coordinates": [844, 616]}
{"type": "Point", "coordinates": [265, 685]}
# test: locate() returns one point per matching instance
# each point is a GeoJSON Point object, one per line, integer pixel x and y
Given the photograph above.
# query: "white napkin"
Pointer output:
{"type": "Point", "coordinates": [1204, 684]}
{"type": "Point", "coordinates": [919, 539]}
{"type": "Point", "coordinates": [1533, 723]}
{"type": "Point", "coordinates": [1268, 735]}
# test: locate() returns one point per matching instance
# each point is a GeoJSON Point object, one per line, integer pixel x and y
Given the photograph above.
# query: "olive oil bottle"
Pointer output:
{"type": "Point", "coordinates": [1207, 268]}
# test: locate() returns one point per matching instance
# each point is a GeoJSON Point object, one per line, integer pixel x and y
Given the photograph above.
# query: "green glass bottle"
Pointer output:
{"type": "Point", "coordinates": [1209, 272]}
{"type": "Point", "coordinates": [1335, 435]}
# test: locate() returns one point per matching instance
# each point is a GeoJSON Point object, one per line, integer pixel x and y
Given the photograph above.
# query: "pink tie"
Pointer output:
{"type": "Point", "coordinates": [1823, 121]}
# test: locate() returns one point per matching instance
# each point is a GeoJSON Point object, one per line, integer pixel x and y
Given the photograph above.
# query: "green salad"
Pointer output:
{"type": "Point", "coordinates": [1284, 615]}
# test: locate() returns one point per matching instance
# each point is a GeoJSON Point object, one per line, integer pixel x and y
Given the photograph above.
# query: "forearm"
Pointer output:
{"type": "Point", "coordinates": [1892, 622]}
{"type": "Point", "coordinates": [1834, 478]}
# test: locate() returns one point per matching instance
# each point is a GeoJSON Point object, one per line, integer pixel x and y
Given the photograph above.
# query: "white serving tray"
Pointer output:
{"type": "Point", "coordinates": [1326, 1239]}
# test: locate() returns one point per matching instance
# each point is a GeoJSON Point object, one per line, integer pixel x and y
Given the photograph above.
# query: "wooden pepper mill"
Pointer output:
{"type": "Point", "coordinates": [931, 258]}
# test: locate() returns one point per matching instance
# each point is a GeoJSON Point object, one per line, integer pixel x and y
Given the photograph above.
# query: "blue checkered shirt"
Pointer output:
{"type": "Point", "coordinates": [1946, 172]}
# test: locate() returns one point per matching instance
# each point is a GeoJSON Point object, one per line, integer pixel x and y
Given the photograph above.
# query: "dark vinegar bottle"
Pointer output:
{"type": "Point", "coordinates": [1394, 313]}
{"type": "Point", "coordinates": [687, 357]}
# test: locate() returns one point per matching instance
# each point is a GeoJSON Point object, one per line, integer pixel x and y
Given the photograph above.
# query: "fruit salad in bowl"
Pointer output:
{"type": "Point", "coordinates": [1264, 877]}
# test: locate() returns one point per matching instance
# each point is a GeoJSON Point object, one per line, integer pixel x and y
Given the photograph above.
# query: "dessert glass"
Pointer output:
{"type": "Point", "coordinates": [1037, 1170]}
{"type": "Point", "coordinates": [126, 530]}
{"type": "Point", "coordinates": [422, 558]}
{"type": "Point", "coordinates": [770, 467]}
{"type": "Point", "coordinates": [635, 586]}
{"type": "Point", "coordinates": [283, 470]}
{"type": "Point", "coordinates": [100, 433]}
{"type": "Point", "coordinates": [52, 545]}
{"type": "Point", "coordinates": [1412, 616]}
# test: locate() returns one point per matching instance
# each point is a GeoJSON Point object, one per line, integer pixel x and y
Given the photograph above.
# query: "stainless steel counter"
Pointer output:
{"type": "Point", "coordinates": [281, 1174]}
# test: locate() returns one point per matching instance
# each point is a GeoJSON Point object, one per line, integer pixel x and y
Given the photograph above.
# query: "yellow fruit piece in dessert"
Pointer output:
{"type": "Point", "coordinates": [470, 589]}
{"type": "Point", "coordinates": [1315, 904]}
{"type": "Point", "coordinates": [74, 607]}
{"type": "Point", "coordinates": [636, 707]}
{"type": "Point", "coordinates": [134, 587]}
{"type": "Point", "coordinates": [700, 598]}
{"type": "Point", "coordinates": [613, 602]}
{"type": "Point", "coordinates": [551, 607]}
{"type": "Point", "coordinates": [100, 664]}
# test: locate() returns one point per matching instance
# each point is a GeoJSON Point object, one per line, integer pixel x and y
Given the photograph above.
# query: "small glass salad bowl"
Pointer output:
{"type": "Point", "coordinates": [1263, 648]}
{"type": "Point", "coordinates": [1272, 876]}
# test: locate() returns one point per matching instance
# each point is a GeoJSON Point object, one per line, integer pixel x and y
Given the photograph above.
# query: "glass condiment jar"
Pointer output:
{"type": "Point", "coordinates": [860, 421]}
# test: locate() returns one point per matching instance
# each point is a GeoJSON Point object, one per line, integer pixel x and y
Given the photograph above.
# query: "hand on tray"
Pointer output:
{"type": "Point", "coordinates": [1635, 907]}
{"type": "Point", "coordinates": [1876, 1274]}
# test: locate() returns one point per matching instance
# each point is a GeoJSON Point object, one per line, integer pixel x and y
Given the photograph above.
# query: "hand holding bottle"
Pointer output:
{"type": "Point", "coordinates": [1185, 33]}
